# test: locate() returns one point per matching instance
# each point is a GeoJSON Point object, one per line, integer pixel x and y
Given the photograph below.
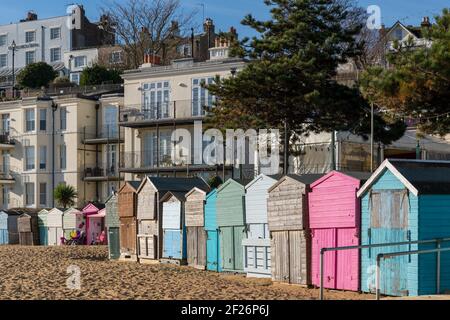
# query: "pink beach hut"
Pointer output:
{"type": "Point", "coordinates": [95, 222]}
{"type": "Point", "coordinates": [334, 220]}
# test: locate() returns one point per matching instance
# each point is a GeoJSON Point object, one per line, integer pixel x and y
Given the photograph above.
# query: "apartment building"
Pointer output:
{"type": "Point", "coordinates": [33, 40]}
{"type": "Point", "coordinates": [161, 99]}
{"type": "Point", "coordinates": [46, 141]}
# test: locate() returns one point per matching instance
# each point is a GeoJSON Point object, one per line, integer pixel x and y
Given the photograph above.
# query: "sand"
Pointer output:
{"type": "Point", "coordinates": [41, 273]}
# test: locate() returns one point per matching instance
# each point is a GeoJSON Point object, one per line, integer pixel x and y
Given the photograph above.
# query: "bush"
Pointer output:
{"type": "Point", "coordinates": [215, 182]}
{"type": "Point", "coordinates": [36, 75]}
{"type": "Point", "coordinates": [97, 75]}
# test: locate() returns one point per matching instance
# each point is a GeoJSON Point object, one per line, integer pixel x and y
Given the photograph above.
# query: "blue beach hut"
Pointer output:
{"type": "Point", "coordinates": [212, 233]}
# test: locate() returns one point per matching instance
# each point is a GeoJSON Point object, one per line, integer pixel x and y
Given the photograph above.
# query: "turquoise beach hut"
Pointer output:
{"type": "Point", "coordinates": [406, 200]}
{"type": "Point", "coordinates": [212, 233]}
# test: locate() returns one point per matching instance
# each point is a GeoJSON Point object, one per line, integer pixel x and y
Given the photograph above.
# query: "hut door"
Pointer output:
{"type": "Point", "coordinates": [113, 243]}
{"type": "Point", "coordinates": [389, 223]}
{"type": "Point", "coordinates": [280, 258]}
{"type": "Point", "coordinates": [192, 254]}
{"type": "Point", "coordinates": [227, 242]}
{"type": "Point", "coordinates": [324, 238]}
{"type": "Point", "coordinates": [212, 250]}
{"type": "Point", "coordinates": [238, 249]}
{"type": "Point", "coordinates": [52, 235]}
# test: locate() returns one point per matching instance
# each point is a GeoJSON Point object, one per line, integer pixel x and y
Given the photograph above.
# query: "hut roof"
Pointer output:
{"type": "Point", "coordinates": [134, 184]}
{"type": "Point", "coordinates": [419, 176]}
{"type": "Point", "coordinates": [181, 196]}
{"type": "Point", "coordinates": [275, 177]}
{"type": "Point", "coordinates": [194, 190]}
{"type": "Point", "coordinates": [177, 184]}
{"type": "Point", "coordinates": [305, 179]}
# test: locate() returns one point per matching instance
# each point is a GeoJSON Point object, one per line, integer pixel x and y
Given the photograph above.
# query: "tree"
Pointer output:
{"type": "Point", "coordinates": [215, 182]}
{"type": "Point", "coordinates": [290, 78]}
{"type": "Point", "coordinates": [97, 75]}
{"type": "Point", "coordinates": [417, 85]}
{"type": "Point", "coordinates": [36, 75]}
{"type": "Point", "coordinates": [65, 195]}
{"type": "Point", "coordinates": [147, 26]}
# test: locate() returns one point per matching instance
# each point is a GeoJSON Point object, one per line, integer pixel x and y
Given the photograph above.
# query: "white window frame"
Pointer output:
{"type": "Point", "coordinates": [203, 95]}
{"type": "Point", "coordinates": [55, 28]}
{"type": "Point", "coordinates": [33, 200]}
{"type": "Point", "coordinates": [51, 54]}
{"type": "Point", "coordinates": [6, 39]}
{"type": "Point", "coordinates": [40, 119]}
{"type": "Point", "coordinates": [77, 79]}
{"type": "Point", "coordinates": [33, 120]}
{"type": "Point", "coordinates": [30, 166]}
{"type": "Point", "coordinates": [5, 195]}
{"type": "Point", "coordinates": [80, 66]}
{"type": "Point", "coordinates": [43, 157]}
{"type": "Point", "coordinates": [5, 56]}
{"type": "Point", "coordinates": [26, 57]}
{"type": "Point", "coordinates": [30, 31]}
{"type": "Point", "coordinates": [43, 204]}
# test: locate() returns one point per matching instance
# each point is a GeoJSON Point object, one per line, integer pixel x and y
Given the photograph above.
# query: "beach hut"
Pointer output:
{"type": "Point", "coordinates": [149, 211]}
{"type": "Point", "coordinates": [212, 233]}
{"type": "Point", "coordinates": [55, 226]}
{"type": "Point", "coordinates": [406, 200]}
{"type": "Point", "coordinates": [195, 228]}
{"type": "Point", "coordinates": [334, 220]}
{"type": "Point", "coordinates": [95, 222]}
{"type": "Point", "coordinates": [256, 244]}
{"type": "Point", "coordinates": [112, 224]}
{"type": "Point", "coordinates": [28, 228]}
{"type": "Point", "coordinates": [72, 220]}
{"type": "Point", "coordinates": [174, 229]}
{"type": "Point", "coordinates": [287, 212]}
{"type": "Point", "coordinates": [231, 221]}
{"type": "Point", "coordinates": [9, 233]}
{"type": "Point", "coordinates": [43, 227]}
{"type": "Point", "coordinates": [127, 204]}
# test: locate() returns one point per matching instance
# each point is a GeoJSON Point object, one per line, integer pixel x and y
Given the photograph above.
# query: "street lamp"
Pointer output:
{"type": "Point", "coordinates": [13, 48]}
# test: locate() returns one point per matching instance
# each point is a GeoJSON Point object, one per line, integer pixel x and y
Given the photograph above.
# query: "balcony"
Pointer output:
{"type": "Point", "coordinates": [148, 162]}
{"type": "Point", "coordinates": [108, 134]}
{"type": "Point", "coordinates": [164, 113]}
{"type": "Point", "coordinates": [6, 142]}
{"type": "Point", "coordinates": [100, 173]}
{"type": "Point", "coordinates": [7, 177]}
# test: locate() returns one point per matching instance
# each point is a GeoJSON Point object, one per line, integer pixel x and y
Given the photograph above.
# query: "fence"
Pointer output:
{"type": "Point", "coordinates": [109, 132]}
{"type": "Point", "coordinates": [369, 246]}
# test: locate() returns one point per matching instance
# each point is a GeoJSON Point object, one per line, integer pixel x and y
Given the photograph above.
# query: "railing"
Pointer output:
{"type": "Point", "coordinates": [370, 246]}
{"type": "Point", "coordinates": [165, 110]}
{"type": "Point", "coordinates": [101, 170]}
{"type": "Point", "coordinates": [109, 132]}
{"type": "Point", "coordinates": [146, 159]}
{"type": "Point", "coordinates": [6, 175]}
{"type": "Point", "coordinates": [5, 138]}
{"type": "Point", "coordinates": [72, 90]}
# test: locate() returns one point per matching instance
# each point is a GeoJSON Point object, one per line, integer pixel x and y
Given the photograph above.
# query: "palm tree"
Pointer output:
{"type": "Point", "coordinates": [65, 195]}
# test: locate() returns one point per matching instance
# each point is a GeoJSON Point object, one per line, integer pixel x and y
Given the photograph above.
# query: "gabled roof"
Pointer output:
{"type": "Point", "coordinates": [43, 211]}
{"type": "Point", "coordinates": [418, 176]}
{"type": "Point", "coordinates": [305, 179]}
{"type": "Point", "coordinates": [211, 193]}
{"type": "Point", "coordinates": [175, 184]}
{"type": "Point", "coordinates": [73, 210]}
{"type": "Point", "coordinates": [93, 207]}
{"type": "Point", "coordinates": [133, 184]}
{"type": "Point", "coordinates": [180, 196]}
{"type": "Point", "coordinates": [241, 183]}
{"type": "Point", "coordinates": [275, 178]}
{"type": "Point", "coordinates": [56, 210]}
{"type": "Point", "coordinates": [414, 31]}
{"type": "Point", "coordinates": [195, 189]}
{"type": "Point", "coordinates": [361, 177]}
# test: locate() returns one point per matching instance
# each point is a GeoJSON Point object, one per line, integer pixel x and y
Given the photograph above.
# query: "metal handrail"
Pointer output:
{"type": "Point", "coordinates": [407, 253]}
{"type": "Point", "coordinates": [369, 246]}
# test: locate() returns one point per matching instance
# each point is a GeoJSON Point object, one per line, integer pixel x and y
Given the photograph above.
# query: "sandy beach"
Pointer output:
{"type": "Point", "coordinates": [41, 273]}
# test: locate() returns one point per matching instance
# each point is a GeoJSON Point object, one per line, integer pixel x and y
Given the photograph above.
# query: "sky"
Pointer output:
{"type": "Point", "coordinates": [225, 13]}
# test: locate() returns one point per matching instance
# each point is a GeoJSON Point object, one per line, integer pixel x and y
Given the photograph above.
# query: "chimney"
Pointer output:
{"type": "Point", "coordinates": [425, 22]}
{"type": "Point", "coordinates": [31, 16]}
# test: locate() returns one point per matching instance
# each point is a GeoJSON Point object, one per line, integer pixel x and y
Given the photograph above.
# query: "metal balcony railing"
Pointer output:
{"type": "Point", "coordinates": [181, 109]}
{"type": "Point", "coordinates": [5, 138]}
{"type": "Point", "coordinates": [145, 159]}
{"type": "Point", "coordinates": [101, 170]}
{"type": "Point", "coordinates": [107, 132]}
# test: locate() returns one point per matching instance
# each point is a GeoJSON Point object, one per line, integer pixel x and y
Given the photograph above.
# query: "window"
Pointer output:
{"type": "Point", "coordinates": [43, 194]}
{"type": "Point", "coordinates": [55, 54]}
{"type": "Point", "coordinates": [30, 118]}
{"type": "Point", "coordinates": [43, 119]}
{"type": "Point", "coordinates": [116, 57]}
{"type": "Point", "coordinates": [184, 50]}
{"type": "Point", "coordinates": [62, 157]}
{"type": "Point", "coordinates": [30, 57]}
{"type": "Point", "coordinates": [30, 36]}
{"type": "Point", "coordinates": [3, 60]}
{"type": "Point", "coordinates": [5, 123]}
{"type": "Point", "coordinates": [43, 157]}
{"type": "Point", "coordinates": [3, 40]}
{"type": "Point", "coordinates": [200, 96]}
{"type": "Point", "coordinates": [156, 100]}
{"type": "Point", "coordinates": [63, 118]}
{"type": "Point", "coordinates": [29, 158]}
{"type": "Point", "coordinates": [80, 62]}
{"type": "Point", "coordinates": [75, 78]}
{"type": "Point", "coordinates": [55, 33]}
{"type": "Point", "coordinates": [5, 195]}
{"type": "Point", "coordinates": [398, 34]}
{"type": "Point", "coordinates": [29, 194]}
